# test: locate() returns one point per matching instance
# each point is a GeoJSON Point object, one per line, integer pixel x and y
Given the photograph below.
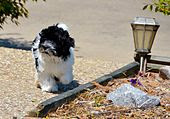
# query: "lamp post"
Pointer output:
{"type": "Point", "coordinates": [144, 31]}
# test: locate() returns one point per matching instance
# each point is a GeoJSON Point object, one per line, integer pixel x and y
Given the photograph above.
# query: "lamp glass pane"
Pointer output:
{"type": "Point", "coordinates": [135, 39]}
{"type": "Point", "coordinates": [152, 39]}
{"type": "Point", "coordinates": [140, 35]}
{"type": "Point", "coordinates": [148, 39]}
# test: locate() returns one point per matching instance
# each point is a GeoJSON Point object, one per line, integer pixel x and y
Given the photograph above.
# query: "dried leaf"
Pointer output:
{"type": "Point", "coordinates": [104, 88]}
{"type": "Point", "coordinates": [153, 84]}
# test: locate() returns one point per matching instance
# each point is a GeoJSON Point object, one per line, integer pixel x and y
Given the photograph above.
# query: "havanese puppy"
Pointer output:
{"type": "Point", "coordinates": [53, 53]}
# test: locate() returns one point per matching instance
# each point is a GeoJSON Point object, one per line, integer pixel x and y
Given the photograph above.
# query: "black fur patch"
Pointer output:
{"type": "Point", "coordinates": [36, 63]}
{"type": "Point", "coordinates": [34, 49]}
{"type": "Point", "coordinates": [59, 38]}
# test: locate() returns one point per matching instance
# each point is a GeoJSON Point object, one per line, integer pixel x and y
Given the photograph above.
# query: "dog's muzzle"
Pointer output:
{"type": "Point", "coordinates": [48, 51]}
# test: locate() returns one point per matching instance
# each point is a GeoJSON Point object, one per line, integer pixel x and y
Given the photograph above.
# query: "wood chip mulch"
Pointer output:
{"type": "Point", "coordinates": [93, 104]}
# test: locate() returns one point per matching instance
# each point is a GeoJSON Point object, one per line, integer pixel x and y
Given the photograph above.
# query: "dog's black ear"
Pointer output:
{"type": "Point", "coordinates": [72, 42]}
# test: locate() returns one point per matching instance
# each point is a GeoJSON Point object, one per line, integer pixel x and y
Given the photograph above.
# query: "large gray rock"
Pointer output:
{"type": "Point", "coordinates": [164, 72]}
{"type": "Point", "coordinates": [127, 95]}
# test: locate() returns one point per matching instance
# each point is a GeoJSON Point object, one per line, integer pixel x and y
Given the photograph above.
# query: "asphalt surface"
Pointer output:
{"type": "Point", "coordinates": [101, 28]}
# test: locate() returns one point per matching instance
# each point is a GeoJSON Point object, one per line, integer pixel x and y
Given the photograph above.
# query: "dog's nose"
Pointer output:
{"type": "Point", "coordinates": [43, 48]}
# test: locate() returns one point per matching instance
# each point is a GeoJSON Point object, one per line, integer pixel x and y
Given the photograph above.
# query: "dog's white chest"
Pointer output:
{"type": "Point", "coordinates": [56, 66]}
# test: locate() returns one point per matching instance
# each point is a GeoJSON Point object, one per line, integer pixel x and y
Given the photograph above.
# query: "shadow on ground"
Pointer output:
{"type": "Point", "coordinates": [65, 87]}
{"type": "Point", "coordinates": [15, 43]}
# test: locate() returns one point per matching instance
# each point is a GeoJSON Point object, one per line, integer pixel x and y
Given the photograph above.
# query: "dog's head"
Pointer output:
{"type": "Point", "coordinates": [56, 41]}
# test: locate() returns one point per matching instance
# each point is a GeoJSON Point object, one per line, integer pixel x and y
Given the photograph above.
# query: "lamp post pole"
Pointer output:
{"type": "Point", "coordinates": [143, 63]}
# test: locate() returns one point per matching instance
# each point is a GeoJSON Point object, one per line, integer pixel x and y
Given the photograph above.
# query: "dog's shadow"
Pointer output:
{"type": "Point", "coordinates": [66, 87]}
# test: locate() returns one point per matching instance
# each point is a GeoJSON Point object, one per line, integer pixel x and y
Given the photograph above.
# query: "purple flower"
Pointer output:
{"type": "Point", "coordinates": [133, 81]}
{"type": "Point", "coordinates": [139, 83]}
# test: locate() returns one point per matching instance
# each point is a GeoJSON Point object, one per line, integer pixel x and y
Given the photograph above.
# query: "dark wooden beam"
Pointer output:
{"type": "Point", "coordinates": [155, 59]}
{"type": "Point", "coordinates": [159, 60]}
{"type": "Point", "coordinates": [154, 67]}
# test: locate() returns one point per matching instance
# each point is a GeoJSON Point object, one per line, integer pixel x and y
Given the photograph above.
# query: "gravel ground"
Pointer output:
{"type": "Point", "coordinates": [18, 92]}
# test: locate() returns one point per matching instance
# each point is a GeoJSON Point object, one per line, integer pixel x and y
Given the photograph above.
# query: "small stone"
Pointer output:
{"type": "Point", "coordinates": [164, 72]}
{"type": "Point", "coordinates": [167, 106]}
{"type": "Point", "coordinates": [129, 96]}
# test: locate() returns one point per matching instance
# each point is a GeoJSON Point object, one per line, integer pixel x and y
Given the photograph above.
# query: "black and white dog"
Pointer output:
{"type": "Point", "coordinates": [53, 53]}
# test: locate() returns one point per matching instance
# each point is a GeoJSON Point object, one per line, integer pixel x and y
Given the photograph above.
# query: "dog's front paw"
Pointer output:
{"type": "Point", "coordinates": [50, 89]}
{"type": "Point", "coordinates": [54, 89]}
{"type": "Point", "coordinates": [66, 79]}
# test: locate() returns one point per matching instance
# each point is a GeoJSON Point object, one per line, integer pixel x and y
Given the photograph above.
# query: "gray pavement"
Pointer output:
{"type": "Point", "coordinates": [101, 28]}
